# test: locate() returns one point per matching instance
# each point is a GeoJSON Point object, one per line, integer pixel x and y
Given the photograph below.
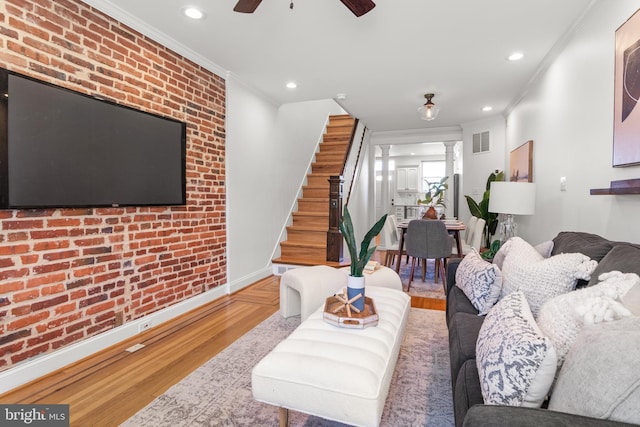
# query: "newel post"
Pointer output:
{"type": "Point", "coordinates": [334, 236]}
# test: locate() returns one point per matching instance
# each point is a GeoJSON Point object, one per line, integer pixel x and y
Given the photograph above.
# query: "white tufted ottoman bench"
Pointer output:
{"type": "Point", "coordinates": [304, 289]}
{"type": "Point", "coordinates": [336, 373]}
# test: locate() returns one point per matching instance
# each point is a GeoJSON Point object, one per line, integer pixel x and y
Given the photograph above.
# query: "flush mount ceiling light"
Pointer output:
{"type": "Point", "coordinates": [193, 12]}
{"type": "Point", "coordinates": [429, 110]}
{"type": "Point", "coordinates": [292, 85]}
{"type": "Point", "coordinates": [487, 108]}
{"type": "Point", "coordinates": [515, 56]}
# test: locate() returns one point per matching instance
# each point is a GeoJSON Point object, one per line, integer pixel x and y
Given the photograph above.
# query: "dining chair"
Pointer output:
{"type": "Point", "coordinates": [428, 239]}
{"type": "Point", "coordinates": [391, 240]}
{"type": "Point", "coordinates": [468, 235]}
{"type": "Point", "coordinates": [476, 240]}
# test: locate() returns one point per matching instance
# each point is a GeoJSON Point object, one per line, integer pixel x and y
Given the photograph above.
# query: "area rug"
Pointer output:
{"type": "Point", "coordinates": [422, 288]}
{"type": "Point", "coordinates": [218, 393]}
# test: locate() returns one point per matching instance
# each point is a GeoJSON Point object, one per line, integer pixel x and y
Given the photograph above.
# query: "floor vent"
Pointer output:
{"type": "Point", "coordinates": [135, 348]}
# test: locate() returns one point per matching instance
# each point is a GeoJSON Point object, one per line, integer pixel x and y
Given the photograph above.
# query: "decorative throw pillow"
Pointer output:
{"type": "Point", "coordinates": [516, 363]}
{"type": "Point", "coordinates": [631, 300]}
{"type": "Point", "coordinates": [601, 375]}
{"type": "Point", "coordinates": [538, 278]}
{"type": "Point", "coordinates": [480, 281]}
{"type": "Point", "coordinates": [563, 317]}
{"type": "Point", "coordinates": [543, 249]}
{"type": "Point", "coordinates": [624, 258]}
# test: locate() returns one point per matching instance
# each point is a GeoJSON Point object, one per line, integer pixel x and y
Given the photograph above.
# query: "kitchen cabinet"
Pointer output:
{"type": "Point", "coordinates": [407, 178]}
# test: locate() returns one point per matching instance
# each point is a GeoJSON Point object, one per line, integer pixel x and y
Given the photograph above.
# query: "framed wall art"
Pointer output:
{"type": "Point", "coordinates": [626, 125]}
{"type": "Point", "coordinates": [521, 163]}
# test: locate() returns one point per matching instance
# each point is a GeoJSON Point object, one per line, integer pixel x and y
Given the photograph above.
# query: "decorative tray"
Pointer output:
{"type": "Point", "coordinates": [335, 312]}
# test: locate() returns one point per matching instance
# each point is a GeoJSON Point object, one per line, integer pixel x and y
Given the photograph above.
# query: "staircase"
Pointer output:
{"type": "Point", "coordinates": [306, 242]}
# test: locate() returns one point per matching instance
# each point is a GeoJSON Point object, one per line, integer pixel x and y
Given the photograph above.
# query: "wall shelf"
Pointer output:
{"type": "Point", "coordinates": [624, 186]}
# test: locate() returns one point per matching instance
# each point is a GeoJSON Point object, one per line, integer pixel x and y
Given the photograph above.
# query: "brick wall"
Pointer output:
{"type": "Point", "coordinates": [66, 274]}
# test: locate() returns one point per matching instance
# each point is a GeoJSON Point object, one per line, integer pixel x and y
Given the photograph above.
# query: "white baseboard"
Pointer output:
{"type": "Point", "coordinates": [250, 279]}
{"type": "Point", "coordinates": [45, 364]}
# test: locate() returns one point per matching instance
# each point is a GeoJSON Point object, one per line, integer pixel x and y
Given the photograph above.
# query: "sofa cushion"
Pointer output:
{"type": "Point", "coordinates": [492, 416]}
{"type": "Point", "coordinates": [457, 302]}
{"type": "Point", "coordinates": [601, 375]}
{"type": "Point", "coordinates": [591, 245]}
{"type": "Point", "coordinates": [516, 363]}
{"type": "Point", "coordinates": [480, 281]}
{"type": "Point", "coordinates": [624, 258]}
{"type": "Point", "coordinates": [466, 391]}
{"type": "Point", "coordinates": [463, 332]}
{"type": "Point", "coordinates": [561, 318]}
{"type": "Point", "coordinates": [539, 278]}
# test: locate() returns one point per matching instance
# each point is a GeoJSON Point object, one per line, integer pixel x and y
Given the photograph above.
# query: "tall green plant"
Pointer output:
{"type": "Point", "coordinates": [359, 261]}
{"type": "Point", "coordinates": [481, 210]}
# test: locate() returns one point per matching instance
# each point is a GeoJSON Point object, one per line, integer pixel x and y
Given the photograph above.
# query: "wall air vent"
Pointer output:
{"type": "Point", "coordinates": [481, 142]}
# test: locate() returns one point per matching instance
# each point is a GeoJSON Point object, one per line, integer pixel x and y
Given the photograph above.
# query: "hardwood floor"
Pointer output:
{"type": "Point", "coordinates": [111, 386]}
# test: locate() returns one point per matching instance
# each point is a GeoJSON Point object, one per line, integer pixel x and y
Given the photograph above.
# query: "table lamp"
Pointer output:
{"type": "Point", "coordinates": [511, 198]}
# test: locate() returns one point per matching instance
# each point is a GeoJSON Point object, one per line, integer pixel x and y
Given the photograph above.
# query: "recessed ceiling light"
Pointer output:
{"type": "Point", "coordinates": [193, 12]}
{"type": "Point", "coordinates": [515, 56]}
{"type": "Point", "coordinates": [487, 108]}
{"type": "Point", "coordinates": [292, 85]}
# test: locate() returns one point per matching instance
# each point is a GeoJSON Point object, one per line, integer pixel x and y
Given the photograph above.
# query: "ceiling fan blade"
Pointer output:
{"type": "Point", "coordinates": [359, 7]}
{"type": "Point", "coordinates": [246, 6]}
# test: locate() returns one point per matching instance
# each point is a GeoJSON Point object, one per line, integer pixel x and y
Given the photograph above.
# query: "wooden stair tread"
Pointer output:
{"type": "Point", "coordinates": [307, 228]}
{"type": "Point", "coordinates": [314, 214]}
{"type": "Point", "coordinates": [304, 244]}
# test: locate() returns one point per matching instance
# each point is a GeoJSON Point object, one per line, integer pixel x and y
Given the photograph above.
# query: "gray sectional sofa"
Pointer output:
{"type": "Point", "coordinates": [464, 324]}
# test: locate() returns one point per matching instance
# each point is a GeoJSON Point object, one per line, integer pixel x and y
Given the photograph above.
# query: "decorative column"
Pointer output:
{"type": "Point", "coordinates": [385, 199]}
{"type": "Point", "coordinates": [448, 159]}
{"type": "Point", "coordinates": [334, 236]}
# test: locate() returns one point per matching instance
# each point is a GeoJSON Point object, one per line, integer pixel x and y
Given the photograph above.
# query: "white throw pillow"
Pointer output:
{"type": "Point", "coordinates": [601, 375]}
{"type": "Point", "coordinates": [480, 281]}
{"type": "Point", "coordinates": [631, 300]}
{"type": "Point", "coordinates": [561, 318]}
{"type": "Point", "coordinates": [516, 363]}
{"type": "Point", "coordinates": [543, 249]}
{"type": "Point", "coordinates": [539, 278]}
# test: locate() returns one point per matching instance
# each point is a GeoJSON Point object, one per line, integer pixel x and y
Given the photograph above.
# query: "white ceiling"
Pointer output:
{"type": "Point", "coordinates": [384, 61]}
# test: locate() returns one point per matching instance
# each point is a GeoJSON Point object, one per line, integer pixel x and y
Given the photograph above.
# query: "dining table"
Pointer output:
{"type": "Point", "coordinates": [454, 227]}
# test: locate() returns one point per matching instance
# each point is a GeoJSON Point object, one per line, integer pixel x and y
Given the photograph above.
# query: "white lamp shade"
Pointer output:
{"type": "Point", "coordinates": [515, 198]}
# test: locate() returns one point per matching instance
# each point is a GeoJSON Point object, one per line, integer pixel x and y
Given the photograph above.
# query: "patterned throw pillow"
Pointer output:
{"type": "Point", "coordinates": [480, 281]}
{"type": "Point", "coordinates": [538, 278]}
{"type": "Point", "coordinates": [516, 363]}
{"type": "Point", "coordinates": [563, 317]}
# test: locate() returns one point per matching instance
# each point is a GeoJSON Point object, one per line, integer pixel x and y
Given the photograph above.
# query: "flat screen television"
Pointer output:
{"type": "Point", "coordinates": [60, 148]}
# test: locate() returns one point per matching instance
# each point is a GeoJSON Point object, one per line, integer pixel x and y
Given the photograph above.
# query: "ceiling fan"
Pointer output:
{"type": "Point", "coordinates": [358, 7]}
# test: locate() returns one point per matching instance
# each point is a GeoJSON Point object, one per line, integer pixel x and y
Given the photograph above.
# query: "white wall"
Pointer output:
{"type": "Point", "coordinates": [478, 166]}
{"type": "Point", "coordinates": [269, 149]}
{"type": "Point", "coordinates": [568, 113]}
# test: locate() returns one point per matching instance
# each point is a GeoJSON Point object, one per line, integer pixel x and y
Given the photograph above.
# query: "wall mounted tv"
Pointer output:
{"type": "Point", "coordinates": [60, 148]}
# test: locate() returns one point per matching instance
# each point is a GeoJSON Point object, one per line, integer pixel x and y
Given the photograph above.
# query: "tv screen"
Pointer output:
{"type": "Point", "coordinates": [61, 148]}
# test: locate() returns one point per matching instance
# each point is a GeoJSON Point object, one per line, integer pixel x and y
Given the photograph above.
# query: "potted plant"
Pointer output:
{"type": "Point", "coordinates": [481, 210]}
{"type": "Point", "coordinates": [434, 197]}
{"type": "Point", "coordinates": [355, 281]}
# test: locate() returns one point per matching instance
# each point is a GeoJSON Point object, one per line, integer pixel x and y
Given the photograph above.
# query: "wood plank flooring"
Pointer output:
{"type": "Point", "coordinates": [109, 387]}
